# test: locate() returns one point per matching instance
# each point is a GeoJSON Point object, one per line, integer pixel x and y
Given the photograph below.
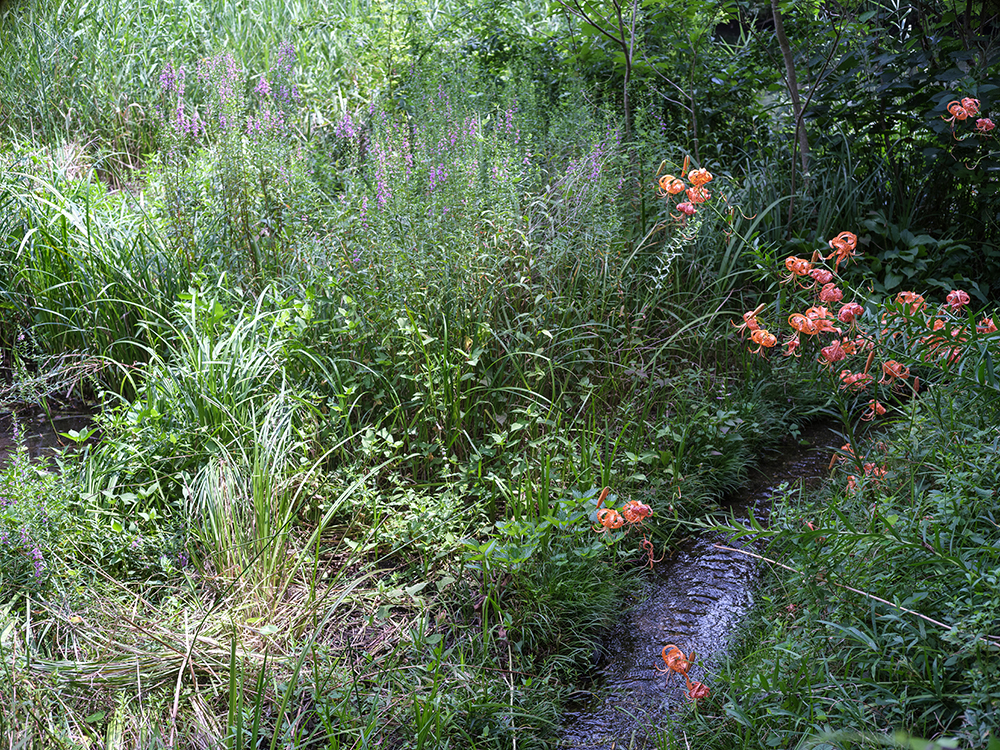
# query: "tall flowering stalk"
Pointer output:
{"type": "Point", "coordinates": [243, 137]}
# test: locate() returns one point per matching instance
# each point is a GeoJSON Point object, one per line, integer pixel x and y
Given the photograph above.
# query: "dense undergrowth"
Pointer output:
{"type": "Point", "coordinates": [881, 629]}
{"type": "Point", "coordinates": [370, 303]}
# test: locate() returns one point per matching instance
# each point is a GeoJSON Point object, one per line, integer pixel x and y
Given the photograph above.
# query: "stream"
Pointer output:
{"type": "Point", "coordinates": [695, 599]}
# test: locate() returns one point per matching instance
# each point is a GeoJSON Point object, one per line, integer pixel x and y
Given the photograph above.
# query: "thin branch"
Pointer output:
{"type": "Point", "coordinates": [577, 11]}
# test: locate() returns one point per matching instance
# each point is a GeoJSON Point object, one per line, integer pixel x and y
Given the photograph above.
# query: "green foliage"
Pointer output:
{"type": "Point", "coordinates": [921, 657]}
{"type": "Point", "coordinates": [363, 351]}
{"type": "Point", "coordinates": [31, 518]}
{"type": "Point", "coordinates": [83, 268]}
{"type": "Point", "coordinates": [904, 260]}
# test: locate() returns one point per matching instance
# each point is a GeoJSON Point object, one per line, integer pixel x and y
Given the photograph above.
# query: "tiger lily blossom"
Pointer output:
{"type": "Point", "coordinates": [699, 177]}
{"type": "Point", "coordinates": [764, 340]}
{"type": "Point", "coordinates": [843, 246]}
{"type": "Point", "coordinates": [821, 275]}
{"type": "Point", "coordinates": [609, 519]}
{"type": "Point", "coordinates": [675, 660]}
{"type": "Point", "coordinates": [636, 512]}
{"type": "Point", "coordinates": [696, 690]}
{"type": "Point", "coordinates": [850, 312]}
{"type": "Point", "coordinates": [750, 320]}
{"type": "Point", "coordinates": [875, 409]}
{"type": "Point", "coordinates": [832, 353]}
{"type": "Point", "coordinates": [893, 371]}
{"type": "Point", "coordinates": [796, 267]}
{"type": "Point", "coordinates": [830, 293]}
{"type": "Point", "coordinates": [670, 185]}
{"type": "Point", "coordinates": [957, 299]}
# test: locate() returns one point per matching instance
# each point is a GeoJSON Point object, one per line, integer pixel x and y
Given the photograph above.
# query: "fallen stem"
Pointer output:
{"type": "Point", "coordinates": [992, 640]}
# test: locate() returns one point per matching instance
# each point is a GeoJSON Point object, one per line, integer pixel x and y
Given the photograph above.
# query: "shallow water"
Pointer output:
{"type": "Point", "coordinates": [695, 599]}
{"type": "Point", "coordinates": [40, 434]}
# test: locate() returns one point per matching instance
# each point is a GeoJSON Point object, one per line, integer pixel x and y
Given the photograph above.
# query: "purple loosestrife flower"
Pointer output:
{"type": "Point", "coordinates": [345, 128]}
{"type": "Point", "coordinates": [382, 191]}
{"type": "Point", "coordinates": [37, 558]}
{"type": "Point", "coordinates": [263, 87]}
{"type": "Point", "coordinates": [170, 79]}
{"type": "Point", "coordinates": [286, 57]}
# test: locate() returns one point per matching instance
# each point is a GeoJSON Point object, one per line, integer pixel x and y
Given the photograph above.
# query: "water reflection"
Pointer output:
{"type": "Point", "coordinates": [40, 434]}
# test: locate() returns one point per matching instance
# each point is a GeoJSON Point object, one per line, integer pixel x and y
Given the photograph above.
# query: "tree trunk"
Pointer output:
{"type": "Point", "coordinates": [793, 86]}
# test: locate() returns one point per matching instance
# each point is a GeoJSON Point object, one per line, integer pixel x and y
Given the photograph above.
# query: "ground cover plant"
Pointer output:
{"type": "Point", "coordinates": [408, 332]}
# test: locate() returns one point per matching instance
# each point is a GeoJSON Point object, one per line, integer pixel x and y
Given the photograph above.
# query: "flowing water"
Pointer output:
{"type": "Point", "coordinates": [694, 599]}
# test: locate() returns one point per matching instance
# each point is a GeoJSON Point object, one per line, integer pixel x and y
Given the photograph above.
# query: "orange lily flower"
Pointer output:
{"type": "Point", "coordinates": [803, 324]}
{"type": "Point", "coordinates": [821, 275]}
{"type": "Point", "coordinates": [875, 409]}
{"type": "Point", "coordinates": [698, 194]}
{"type": "Point", "coordinates": [636, 512]}
{"type": "Point", "coordinates": [821, 317]}
{"type": "Point", "coordinates": [648, 546]}
{"type": "Point", "coordinates": [830, 293]}
{"type": "Point", "coordinates": [670, 185]}
{"type": "Point", "coordinates": [696, 690]}
{"type": "Point", "coordinates": [911, 301]}
{"type": "Point", "coordinates": [749, 320]}
{"type": "Point", "coordinates": [763, 339]}
{"type": "Point", "coordinates": [957, 111]}
{"type": "Point", "coordinates": [609, 519]}
{"type": "Point", "coordinates": [874, 471]}
{"type": "Point", "coordinates": [957, 299]}
{"type": "Point", "coordinates": [843, 246]}
{"type": "Point", "coordinates": [832, 353]}
{"type": "Point", "coordinates": [893, 371]}
{"type": "Point", "coordinates": [796, 267]}
{"type": "Point", "coordinates": [850, 312]}
{"type": "Point", "coordinates": [699, 177]}
{"type": "Point", "coordinates": [856, 381]}
{"type": "Point", "coordinates": [792, 344]}
{"type": "Point", "coordinates": [675, 660]}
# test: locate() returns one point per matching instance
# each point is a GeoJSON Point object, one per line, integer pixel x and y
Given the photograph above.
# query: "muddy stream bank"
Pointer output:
{"type": "Point", "coordinates": [694, 599]}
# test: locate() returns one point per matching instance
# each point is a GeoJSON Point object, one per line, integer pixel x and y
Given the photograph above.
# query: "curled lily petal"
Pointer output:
{"type": "Point", "coordinates": [699, 177]}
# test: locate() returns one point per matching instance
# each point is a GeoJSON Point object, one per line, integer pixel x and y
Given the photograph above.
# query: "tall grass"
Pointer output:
{"type": "Point", "coordinates": [83, 269]}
